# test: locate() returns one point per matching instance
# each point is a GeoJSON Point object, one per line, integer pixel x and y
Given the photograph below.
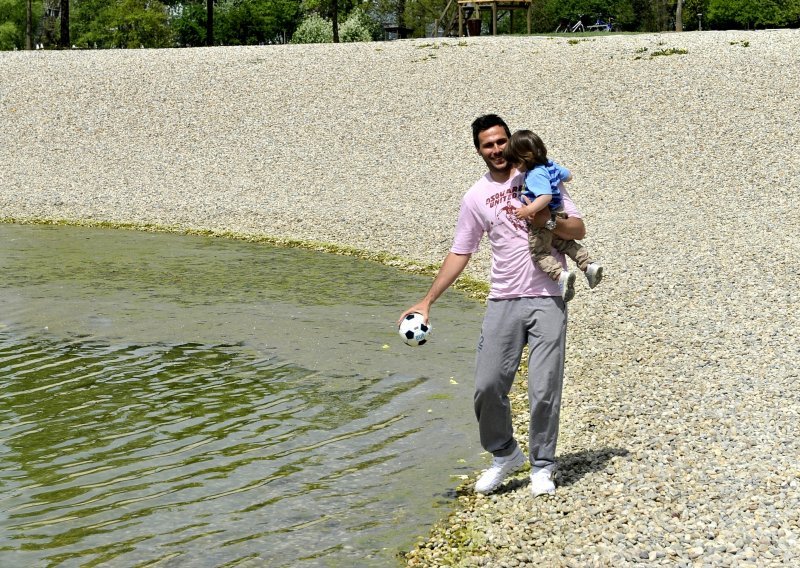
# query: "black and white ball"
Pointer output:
{"type": "Point", "coordinates": [414, 330]}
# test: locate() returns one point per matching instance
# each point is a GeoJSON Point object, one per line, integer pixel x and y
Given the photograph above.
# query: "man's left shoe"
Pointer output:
{"type": "Point", "coordinates": [542, 483]}
{"type": "Point", "coordinates": [501, 468]}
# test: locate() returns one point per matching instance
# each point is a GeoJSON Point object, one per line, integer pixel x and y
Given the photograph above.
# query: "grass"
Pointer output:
{"type": "Point", "coordinates": [670, 51]}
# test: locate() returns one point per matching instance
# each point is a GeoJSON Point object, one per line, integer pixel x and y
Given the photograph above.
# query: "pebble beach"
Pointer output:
{"type": "Point", "coordinates": [681, 409]}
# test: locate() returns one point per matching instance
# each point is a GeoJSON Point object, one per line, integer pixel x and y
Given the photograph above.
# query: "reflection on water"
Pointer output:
{"type": "Point", "coordinates": [194, 402]}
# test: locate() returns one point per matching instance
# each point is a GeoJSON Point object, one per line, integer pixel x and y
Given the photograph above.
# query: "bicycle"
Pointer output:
{"type": "Point", "coordinates": [578, 27]}
{"type": "Point", "coordinates": [565, 26]}
{"type": "Point", "coordinates": [601, 25]}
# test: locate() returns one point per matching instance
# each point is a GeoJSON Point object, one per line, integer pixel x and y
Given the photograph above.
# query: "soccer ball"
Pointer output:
{"type": "Point", "coordinates": [413, 329]}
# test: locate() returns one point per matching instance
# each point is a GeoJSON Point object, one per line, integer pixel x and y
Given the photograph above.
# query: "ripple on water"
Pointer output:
{"type": "Point", "coordinates": [208, 453]}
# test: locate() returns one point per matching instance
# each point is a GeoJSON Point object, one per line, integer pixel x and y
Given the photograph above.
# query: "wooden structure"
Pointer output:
{"type": "Point", "coordinates": [396, 32]}
{"type": "Point", "coordinates": [467, 8]}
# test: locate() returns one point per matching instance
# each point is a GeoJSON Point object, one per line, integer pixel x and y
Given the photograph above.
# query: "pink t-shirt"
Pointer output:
{"type": "Point", "coordinates": [488, 207]}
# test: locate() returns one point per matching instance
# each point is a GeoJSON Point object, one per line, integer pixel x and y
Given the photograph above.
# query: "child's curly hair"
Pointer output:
{"type": "Point", "coordinates": [525, 148]}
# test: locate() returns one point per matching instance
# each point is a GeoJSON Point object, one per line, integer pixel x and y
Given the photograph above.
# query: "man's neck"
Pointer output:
{"type": "Point", "coordinates": [501, 176]}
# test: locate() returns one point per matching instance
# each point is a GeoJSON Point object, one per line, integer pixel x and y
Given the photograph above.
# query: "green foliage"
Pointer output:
{"type": "Point", "coordinates": [13, 14]}
{"type": "Point", "coordinates": [120, 23]}
{"type": "Point", "coordinates": [237, 22]}
{"type": "Point", "coordinates": [356, 27]}
{"type": "Point", "coordinates": [753, 13]}
{"type": "Point", "coordinates": [670, 51]}
{"type": "Point", "coordinates": [162, 23]}
{"type": "Point", "coordinates": [316, 29]}
{"type": "Point", "coordinates": [418, 14]}
{"type": "Point", "coordinates": [253, 22]}
{"type": "Point", "coordinates": [10, 36]}
{"type": "Point", "coordinates": [313, 29]}
{"type": "Point", "coordinates": [189, 25]}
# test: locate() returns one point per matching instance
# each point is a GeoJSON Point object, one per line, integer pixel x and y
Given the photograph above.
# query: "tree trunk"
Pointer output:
{"type": "Point", "coordinates": [210, 23]}
{"type": "Point", "coordinates": [335, 18]}
{"type": "Point", "coordinates": [28, 18]}
{"type": "Point", "coordinates": [679, 16]}
{"type": "Point", "coordinates": [63, 41]}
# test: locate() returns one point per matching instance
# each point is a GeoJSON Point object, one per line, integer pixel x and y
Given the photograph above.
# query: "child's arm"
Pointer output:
{"type": "Point", "coordinates": [534, 207]}
{"type": "Point", "coordinates": [563, 173]}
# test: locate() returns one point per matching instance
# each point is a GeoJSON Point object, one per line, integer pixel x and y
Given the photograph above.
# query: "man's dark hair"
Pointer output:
{"type": "Point", "coordinates": [486, 122]}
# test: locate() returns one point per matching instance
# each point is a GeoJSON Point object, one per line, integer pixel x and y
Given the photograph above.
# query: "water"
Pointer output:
{"type": "Point", "coordinates": [186, 401]}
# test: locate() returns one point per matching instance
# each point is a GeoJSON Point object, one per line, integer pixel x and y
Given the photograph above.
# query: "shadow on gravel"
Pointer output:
{"type": "Point", "coordinates": [571, 467]}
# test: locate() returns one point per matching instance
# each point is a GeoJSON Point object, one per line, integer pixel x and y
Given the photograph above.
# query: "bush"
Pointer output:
{"type": "Point", "coordinates": [9, 36]}
{"type": "Point", "coordinates": [313, 29]}
{"type": "Point", "coordinates": [357, 27]}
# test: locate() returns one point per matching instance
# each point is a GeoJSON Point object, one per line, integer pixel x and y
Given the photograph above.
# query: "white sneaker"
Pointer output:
{"type": "Point", "coordinates": [567, 284]}
{"type": "Point", "coordinates": [501, 468]}
{"type": "Point", "coordinates": [594, 274]}
{"type": "Point", "coordinates": [542, 483]}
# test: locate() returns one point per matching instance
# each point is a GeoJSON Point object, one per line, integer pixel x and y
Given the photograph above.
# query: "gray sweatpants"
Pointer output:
{"type": "Point", "coordinates": [508, 325]}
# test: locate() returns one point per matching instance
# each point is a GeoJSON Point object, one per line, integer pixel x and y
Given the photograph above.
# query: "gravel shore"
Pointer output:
{"type": "Point", "coordinates": [679, 437]}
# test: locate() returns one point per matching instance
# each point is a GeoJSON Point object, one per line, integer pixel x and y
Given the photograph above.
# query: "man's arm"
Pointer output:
{"type": "Point", "coordinates": [452, 267]}
{"type": "Point", "coordinates": [569, 229]}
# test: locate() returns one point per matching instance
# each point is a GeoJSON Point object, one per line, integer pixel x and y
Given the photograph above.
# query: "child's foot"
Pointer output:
{"type": "Point", "coordinates": [594, 274]}
{"type": "Point", "coordinates": [567, 284]}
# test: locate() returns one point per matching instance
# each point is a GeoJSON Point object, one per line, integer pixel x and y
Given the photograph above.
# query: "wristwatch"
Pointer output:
{"type": "Point", "coordinates": [551, 223]}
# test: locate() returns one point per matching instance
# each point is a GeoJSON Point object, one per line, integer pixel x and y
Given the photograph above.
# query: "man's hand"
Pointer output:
{"type": "Point", "coordinates": [422, 307]}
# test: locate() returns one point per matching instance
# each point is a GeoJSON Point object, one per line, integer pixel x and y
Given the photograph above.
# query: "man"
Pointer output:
{"type": "Point", "coordinates": [525, 307]}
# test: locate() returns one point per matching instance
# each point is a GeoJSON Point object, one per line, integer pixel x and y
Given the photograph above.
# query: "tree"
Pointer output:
{"type": "Point", "coordinates": [237, 22]}
{"type": "Point", "coordinates": [210, 22]}
{"type": "Point", "coordinates": [189, 24]}
{"type": "Point", "coordinates": [316, 29]}
{"type": "Point", "coordinates": [14, 18]}
{"type": "Point", "coordinates": [122, 23]}
{"type": "Point", "coordinates": [357, 27]}
{"type": "Point", "coordinates": [415, 14]}
{"type": "Point", "coordinates": [752, 13]}
{"type": "Point", "coordinates": [331, 8]}
{"type": "Point", "coordinates": [28, 18]}
{"type": "Point", "coordinates": [63, 41]}
{"type": "Point", "coordinates": [313, 29]}
{"type": "Point", "coordinates": [679, 16]}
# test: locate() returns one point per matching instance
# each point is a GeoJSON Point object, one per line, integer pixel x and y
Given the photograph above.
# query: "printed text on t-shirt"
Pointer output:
{"type": "Point", "coordinates": [503, 196]}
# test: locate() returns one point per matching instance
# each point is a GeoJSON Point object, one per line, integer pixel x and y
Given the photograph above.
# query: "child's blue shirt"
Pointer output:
{"type": "Point", "coordinates": [544, 180]}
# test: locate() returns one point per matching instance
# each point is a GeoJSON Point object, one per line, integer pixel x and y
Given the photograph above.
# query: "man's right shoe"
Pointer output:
{"type": "Point", "coordinates": [542, 483]}
{"type": "Point", "coordinates": [594, 274]}
{"type": "Point", "coordinates": [567, 284]}
{"type": "Point", "coordinates": [501, 468]}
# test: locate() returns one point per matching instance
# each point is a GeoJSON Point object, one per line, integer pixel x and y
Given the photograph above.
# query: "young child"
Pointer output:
{"type": "Point", "coordinates": [526, 151]}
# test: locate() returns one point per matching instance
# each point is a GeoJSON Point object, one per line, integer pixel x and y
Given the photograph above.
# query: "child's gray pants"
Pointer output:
{"type": "Point", "coordinates": [508, 325]}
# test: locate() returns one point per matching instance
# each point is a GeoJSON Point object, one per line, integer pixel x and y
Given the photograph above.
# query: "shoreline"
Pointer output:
{"type": "Point", "coordinates": [683, 357]}
{"type": "Point", "coordinates": [473, 288]}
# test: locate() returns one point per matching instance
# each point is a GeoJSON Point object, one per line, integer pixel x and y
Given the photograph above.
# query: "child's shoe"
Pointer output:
{"type": "Point", "coordinates": [567, 284]}
{"type": "Point", "coordinates": [594, 274]}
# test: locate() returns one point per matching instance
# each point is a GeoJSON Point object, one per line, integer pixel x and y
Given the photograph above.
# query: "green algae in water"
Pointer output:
{"type": "Point", "coordinates": [145, 264]}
